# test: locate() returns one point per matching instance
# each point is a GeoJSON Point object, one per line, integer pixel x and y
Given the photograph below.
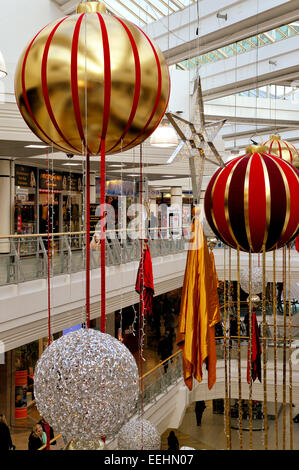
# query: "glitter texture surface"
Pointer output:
{"type": "Point", "coordinates": [139, 434]}
{"type": "Point", "coordinates": [86, 385]}
{"type": "Point", "coordinates": [85, 445]}
{"type": "Point", "coordinates": [256, 280]}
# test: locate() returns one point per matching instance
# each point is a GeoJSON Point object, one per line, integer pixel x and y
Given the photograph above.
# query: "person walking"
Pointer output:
{"type": "Point", "coordinates": [165, 350]}
{"type": "Point", "coordinates": [200, 407]}
{"type": "Point", "coordinates": [5, 437]}
{"type": "Point", "coordinates": [173, 443]}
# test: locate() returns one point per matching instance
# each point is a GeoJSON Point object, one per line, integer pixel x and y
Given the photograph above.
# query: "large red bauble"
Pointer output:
{"type": "Point", "coordinates": [252, 203]}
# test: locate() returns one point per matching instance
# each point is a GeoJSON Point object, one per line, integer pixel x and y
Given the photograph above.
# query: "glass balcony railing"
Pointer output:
{"type": "Point", "coordinates": [25, 258]}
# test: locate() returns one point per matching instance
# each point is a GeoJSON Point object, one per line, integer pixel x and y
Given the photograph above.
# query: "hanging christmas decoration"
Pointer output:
{"type": "Point", "coordinates": [85, 444]}
{"type": "Point", "coordinates": [256, 352]}
{"type": "Point", "coordinates": [90, 77]}
{"type": "Point", "coordinates": [139, 434]}
{"type": "Point", "coordinates": [254, 300]}
{"type": "Point", "coordinates": [252, 202]}
{"type": "Point", "coordinates": [283, 149]}
{"type": "Point", "coordinates": [256, 286]}
{"type": "Point", "coordinates": [86, 385]}
{"type": "Point", "coordinates": [144, 285]}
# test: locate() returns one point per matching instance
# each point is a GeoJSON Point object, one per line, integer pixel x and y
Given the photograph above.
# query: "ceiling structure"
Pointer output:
{"type": "Point", "coordinates": [144, 11]}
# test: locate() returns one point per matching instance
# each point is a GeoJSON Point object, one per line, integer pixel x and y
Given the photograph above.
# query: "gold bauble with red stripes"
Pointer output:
{"type": "Point", "coordinates": [91, 77]}
{"type": "Point", "coordinates": [252, 203]}
{"type": "Point", "coordinates": [283, 149]}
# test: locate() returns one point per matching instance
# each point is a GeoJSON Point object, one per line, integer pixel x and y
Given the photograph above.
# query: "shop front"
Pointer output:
{"type": "Point", "coordinates": [25, 221]}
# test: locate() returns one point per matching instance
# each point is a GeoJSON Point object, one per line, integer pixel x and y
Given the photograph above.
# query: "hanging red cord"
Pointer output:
{"type": "Point", "coordinates": [103, 247]}
{"type": "Point", "coordinates": [48, 255]}
{"type": "Point", "coordinates": [87, 241]}
{"type": "Point", "coordinates": [141, 293]}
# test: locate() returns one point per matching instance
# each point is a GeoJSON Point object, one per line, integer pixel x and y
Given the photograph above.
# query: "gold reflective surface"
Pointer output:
{"type": "Point", "coordinates": [91, 7]}
{"type": "Point", "coordinates": [256, 149]}
{"type": "Point", "coordinates": [62, 129]}
{"type": "Point", "coordinates": [283, 149]}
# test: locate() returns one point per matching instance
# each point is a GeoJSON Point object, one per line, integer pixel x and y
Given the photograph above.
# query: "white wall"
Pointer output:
{"type": "Point", "coordinates": [20, 20]}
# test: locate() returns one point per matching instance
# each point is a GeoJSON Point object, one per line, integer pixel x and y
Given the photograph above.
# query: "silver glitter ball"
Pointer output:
{"type": "Point", "coordinates": [139, 434]}
{"type": "Point", "coordinates": [256, 280]}
{"type": "Point", "coordinates": [86, 385]}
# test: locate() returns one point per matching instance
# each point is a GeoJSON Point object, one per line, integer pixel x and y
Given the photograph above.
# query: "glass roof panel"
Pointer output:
{"type": "Point", "coordinates": [260, 40]}
{"type": "Point", "coordinates": [141, 11]}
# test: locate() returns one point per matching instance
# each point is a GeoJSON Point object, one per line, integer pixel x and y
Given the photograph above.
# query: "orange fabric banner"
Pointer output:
{"type": "Point", "coordinates": [200, 310]}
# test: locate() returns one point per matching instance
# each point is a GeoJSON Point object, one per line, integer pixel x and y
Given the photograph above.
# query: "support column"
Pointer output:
{"type": "Point", "coordinates": [7, 387]}
{"type": "Point", "coordinates": [7, 186]}
{"type": "Point", "coordinates": [176, 208]}
{"type": "Point", "coordinates": [176, 197]}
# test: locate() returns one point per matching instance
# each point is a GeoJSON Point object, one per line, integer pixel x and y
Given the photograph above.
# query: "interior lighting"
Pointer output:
{"type": "Point", "coordinates": [36, 146]}
{"type": "Point", "coordinates": [71, 164]}
{"type": "Point", "coordinates": [164, 136]}
{"type": "Point", "coordinates": [3, 71]}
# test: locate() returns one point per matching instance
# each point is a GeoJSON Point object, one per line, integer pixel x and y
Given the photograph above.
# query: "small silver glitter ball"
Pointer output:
{"type": "Point", "coordinates": [139, 434]}
{"type": "Point", "coordinates": [86, 385]}
{"type": "Point", "coordinates": [85, 445]}
{"type": "Point", "coordinates": [256, 280]}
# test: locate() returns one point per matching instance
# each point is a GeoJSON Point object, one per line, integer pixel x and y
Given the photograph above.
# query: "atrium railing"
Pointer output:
{"type": "Point", "coordinates": [25, 257]}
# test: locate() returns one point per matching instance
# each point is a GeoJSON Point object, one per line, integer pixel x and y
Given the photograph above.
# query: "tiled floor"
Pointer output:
{"type": "Point", "coordinates": [211, 434]}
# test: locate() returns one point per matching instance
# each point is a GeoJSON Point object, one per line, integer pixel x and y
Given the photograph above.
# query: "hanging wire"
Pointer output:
{"type": "Point", "coordinates": [48, 252]}
{"type": "Point", "coordinates": [120, 238]}
{"type": "Point", "coordinates": [284, 365]}
{"type": "Point", "coordinates": [290, 351]}
{"type": "Point", "coordinates": [226, 405]}
{"type": "Point", "coordinates": [250, 353]}
{"type": "Point", "coordinates": [239, 351]}
{"type": "Point", "coordinates": [230, 342]}
{"type": "Point", "coordinates": [275, 347]}
{"type": "Point", "coordinates": [265, 408]}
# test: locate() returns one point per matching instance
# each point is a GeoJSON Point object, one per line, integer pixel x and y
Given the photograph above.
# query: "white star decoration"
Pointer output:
{"type": "Point", "coordinates": [197, 139]}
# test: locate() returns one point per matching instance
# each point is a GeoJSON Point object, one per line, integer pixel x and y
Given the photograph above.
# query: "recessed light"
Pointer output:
{"type": "Point", "coordinates": [168, 176]}
{"type": "Point", "coordinates": [117, 166]}
{"type": "Point", "coordinates": [36, 146]}
{"type": "Point", "coordinates": [71, 164]}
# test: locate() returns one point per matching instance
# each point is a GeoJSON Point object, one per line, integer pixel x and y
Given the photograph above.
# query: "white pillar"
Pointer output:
{"type": "Point", "coordinates": [6, 201]}
{"type": "Point", "coordinates": [176, 196]}
{"type": "Point", "coordinates": [176, 206]}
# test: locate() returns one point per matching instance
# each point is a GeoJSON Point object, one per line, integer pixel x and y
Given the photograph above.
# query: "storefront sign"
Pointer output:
{"type": "Point", "coordinates": [117, 188]}
{"type": "Point", "coordinates": [50, 182]}
{"type": "Point", "coordinates": [94, 216]}
{"type": "Point", "coordinates": [22, 194]}
{"type": "Point", "coordinates": [25, 176]}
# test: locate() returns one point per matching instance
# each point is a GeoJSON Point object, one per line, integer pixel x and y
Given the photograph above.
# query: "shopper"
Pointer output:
{"type": "Point", "coordinates": [37, 437]}
{"type": "Point", "coordinates": [200, 406]}
{"type": "Point", "coordinates": [173, 443]}
{"type": "Point", "coordinates": [165, 349]}
{"type": "Point", "coordinates": [48, 430]}
{"type": "Point", "coordinates": [5, 438]}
